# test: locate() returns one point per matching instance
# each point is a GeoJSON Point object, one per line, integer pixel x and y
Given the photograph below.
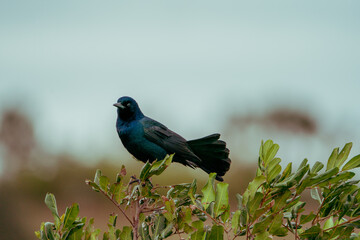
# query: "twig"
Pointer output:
{"type": "Point", "coordinates": [116, 204]}
{"type": "Point", "coordinates": [178, 232]}
{"type": "Point", "coordinates": [344, 223]}
{"type": "Point", "coordinates": [318, 212]}
{"type": "Point", "coordinates": [152, 210]}
{"type": "Point", "coordinates": [136, 219]}
{"type": "Point", "coordinates": [207, 214]}
{"type": "Point", "coordinates": [296, 226]}
{"type": "Point", "coordinates": [264, 198]}
{"type": "Point", "coordinates": [248, 232]}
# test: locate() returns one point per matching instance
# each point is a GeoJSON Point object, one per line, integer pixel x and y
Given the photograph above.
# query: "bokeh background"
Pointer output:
{"type": "Point", "coordinates": [250, 70]}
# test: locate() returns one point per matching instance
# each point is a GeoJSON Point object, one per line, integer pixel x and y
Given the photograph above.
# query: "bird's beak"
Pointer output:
{"type": "Point", "coordinates": [118, 105]}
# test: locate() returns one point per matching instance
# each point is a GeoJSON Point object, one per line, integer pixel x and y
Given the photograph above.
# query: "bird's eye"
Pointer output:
{"type": "Point", "coordinates": [128, 104]}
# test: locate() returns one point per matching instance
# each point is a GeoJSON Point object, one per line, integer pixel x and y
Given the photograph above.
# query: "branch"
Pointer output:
{"type": "Point", "coordinates": [207, 214]}
{"type": "Point", "coordinates": [116, 204]}
{"type": "Point", "coordinates": [136, 219]}
{"type": "Point", "coordinates": [318, 212]}
{"type": "Point", "coordinates": [344, 223]}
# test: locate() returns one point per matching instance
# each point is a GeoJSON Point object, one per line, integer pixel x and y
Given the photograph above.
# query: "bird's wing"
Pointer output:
{"type": "Point", "coordinates": [169, 140]}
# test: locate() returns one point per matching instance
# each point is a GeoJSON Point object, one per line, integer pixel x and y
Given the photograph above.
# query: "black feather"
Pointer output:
{"type": "Point", "coordinates": [213, 154]}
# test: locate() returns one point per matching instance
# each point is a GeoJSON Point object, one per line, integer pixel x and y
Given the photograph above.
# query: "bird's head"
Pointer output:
{"type": "Point", "coordinates": [128, 109]}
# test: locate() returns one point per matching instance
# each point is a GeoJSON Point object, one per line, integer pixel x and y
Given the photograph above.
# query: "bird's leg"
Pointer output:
{"type": "Point", "coordinates": [134, 180]}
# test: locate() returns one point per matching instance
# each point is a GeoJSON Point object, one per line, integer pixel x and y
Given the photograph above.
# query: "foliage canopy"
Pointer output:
{"type": "Point", "coordinates": [270, 206]}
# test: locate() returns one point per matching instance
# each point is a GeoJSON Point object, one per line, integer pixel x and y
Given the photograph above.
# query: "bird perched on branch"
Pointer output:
{"type": "Point", "coordinates": [148, 140]}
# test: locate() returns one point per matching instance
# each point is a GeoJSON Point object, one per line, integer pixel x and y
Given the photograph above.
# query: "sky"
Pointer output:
{"type": "Point", "coordinates": [189, 64]}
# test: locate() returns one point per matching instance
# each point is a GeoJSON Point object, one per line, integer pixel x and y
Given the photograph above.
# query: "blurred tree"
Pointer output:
{"type": "Point", "coordinates": [286, 120]}
{"type": "Point", "coordinates": [17, 139]}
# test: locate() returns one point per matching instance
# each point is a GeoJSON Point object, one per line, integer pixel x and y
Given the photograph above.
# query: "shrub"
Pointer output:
{"type": "Point", "coordinates": [270, 206]}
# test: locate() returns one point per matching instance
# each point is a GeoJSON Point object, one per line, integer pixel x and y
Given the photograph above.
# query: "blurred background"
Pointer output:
{"type": "Point", "coordinates": [285, 70]}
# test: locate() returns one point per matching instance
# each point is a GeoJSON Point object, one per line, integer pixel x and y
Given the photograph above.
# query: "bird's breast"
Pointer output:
{"type": "Point", "coordinates": [134, 140]}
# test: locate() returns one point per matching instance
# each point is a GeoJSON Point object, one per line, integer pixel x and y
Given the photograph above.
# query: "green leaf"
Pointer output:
{"type": "Point", "coordinates": [167, 231]}
{"type": "Point", "coordinates": [270, 154]}
{"type": "Point", "coordinates": [70, 215]}
{"type": "Point", "coordinates": [179, 190]}
{"type": "Point", "coordinates": [262, 225]}
{"type": "Point", "coordinates": [106, 236]}
{"type": "Point", "coordinates": [200, 233]}
{"type": "Point", "coordinates": [292, 202]}
{"type": "Point", "coordinates": [208, 191]}
{"type": "Point", "coordinates": [49, 230]}
{"type": "Point", "coordinates": [126, 233]}
{"type": "Point", "coordinates": [235, 221]}
{"type": "Point", "coordinates": [225, 216]}
{"type": "Point", "coordinates": [198, 224]}
{"type": "Point", "coordinates": [303, 184]}
{"type": "Point", "coordinates": [315, 195]}
{"type": "Point", "coordinates": [273, 163]}
{"type": "Point", "coordinates": [263, 236]}
{"type": "Point", "coordinates": [332, 159]}
{"type": "Point", "coordinates": [307, 218]}
{"type": "Point", "coordinates": [353, 163]}
{"type": "Point", "coordinates": [355, 236]}
{"type": "Point", "coordinates": [343, 155]}
{"type": "Point", "coordinates": [316, 168]}
{"type": "Point", "coordinates": [273, 173]}
{"type": "Point", "coordinates": [74, 232]}
{"type": "Point", "coordinates": [280, 201]}
{"type": "Point", "coordinates": [184, 217]}
{"type": "Point", "coordinates": [97, 176]}
{"type": "Point", "coordinates": [159, 166]}
{"type": "Point", "coordinates": [259, 212]}
{"type": "Point", "coordinates": [244, 217]}
{"type": "Point", "coordinates": [252, 188]}
{"type": "Point", "coordinates": [103, 183]}
{"type": "Point", "coordinates": [118, 193]}
{"type": "Point", "coordinates": [240, 201]}
{"type": "Point", "coordinates": [300, 173]}
{"type": "Point", "coordinates": [192, 191]}
{"type": "Point", "coordinates": [311, 233]}
{"type": "Point", "coordinates": [159, 226]}
{"type": "Point", "coordinates": [210, 209]}
{"type": "Point", "coordinates": [276, 226]}
{"type": "Point", "coordinates": [323, 177]}
{"type": "Point", "coordinates": [260, 170]}
{"type": "Point", "coordinates": [264, 148]}
{"type": "Point", "coordinates": [303, 163]}
{"type": "Point", "coordinates": [286, 172]}
{"type": "Point", "coordinates": [216, 233]}
{"type": "Point", "coordinates": [50, 202]}
{"type": "Point", "coordinates": [170, 209]}
{"type": "Point", "coordinates": [94, 186]}
{"type": "Point", "coordinates": [199, 205]}
{"type": "Point", "coordinates": [295, 178]}
{"type": "Point", "coordinates": [144, 231]}
{"type": "Point", "coordinates": [112, 220]}
{"type": "Point", "coordinates": [222, 198]}
{"type": "Point", "coordinates": [298, 207]}
{"type": "Point", "coordinates": [145, 171]}
{"type": "Point", "coordinates": [343, 176]}
{"type": "Point", "coordinates": [38, 234]}
{"type": "Point", "coordinates": [254, 204]}
{"type": "Point", "coordinates": [329, 223]}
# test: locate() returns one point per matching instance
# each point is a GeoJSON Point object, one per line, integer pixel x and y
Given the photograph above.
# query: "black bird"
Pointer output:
{"type": "Point", "coordinates": [148, 140]}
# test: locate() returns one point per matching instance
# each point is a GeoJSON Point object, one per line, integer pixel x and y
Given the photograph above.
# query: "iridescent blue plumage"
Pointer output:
{"type": "Point", "coordinates": [147, 140]}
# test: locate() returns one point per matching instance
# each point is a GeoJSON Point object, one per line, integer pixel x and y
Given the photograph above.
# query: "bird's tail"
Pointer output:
{"type": "Point", "coordinates": [213, 154]}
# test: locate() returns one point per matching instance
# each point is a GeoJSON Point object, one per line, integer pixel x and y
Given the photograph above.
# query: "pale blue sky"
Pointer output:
{"type": "Point", "coordinates": [189, 64]}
